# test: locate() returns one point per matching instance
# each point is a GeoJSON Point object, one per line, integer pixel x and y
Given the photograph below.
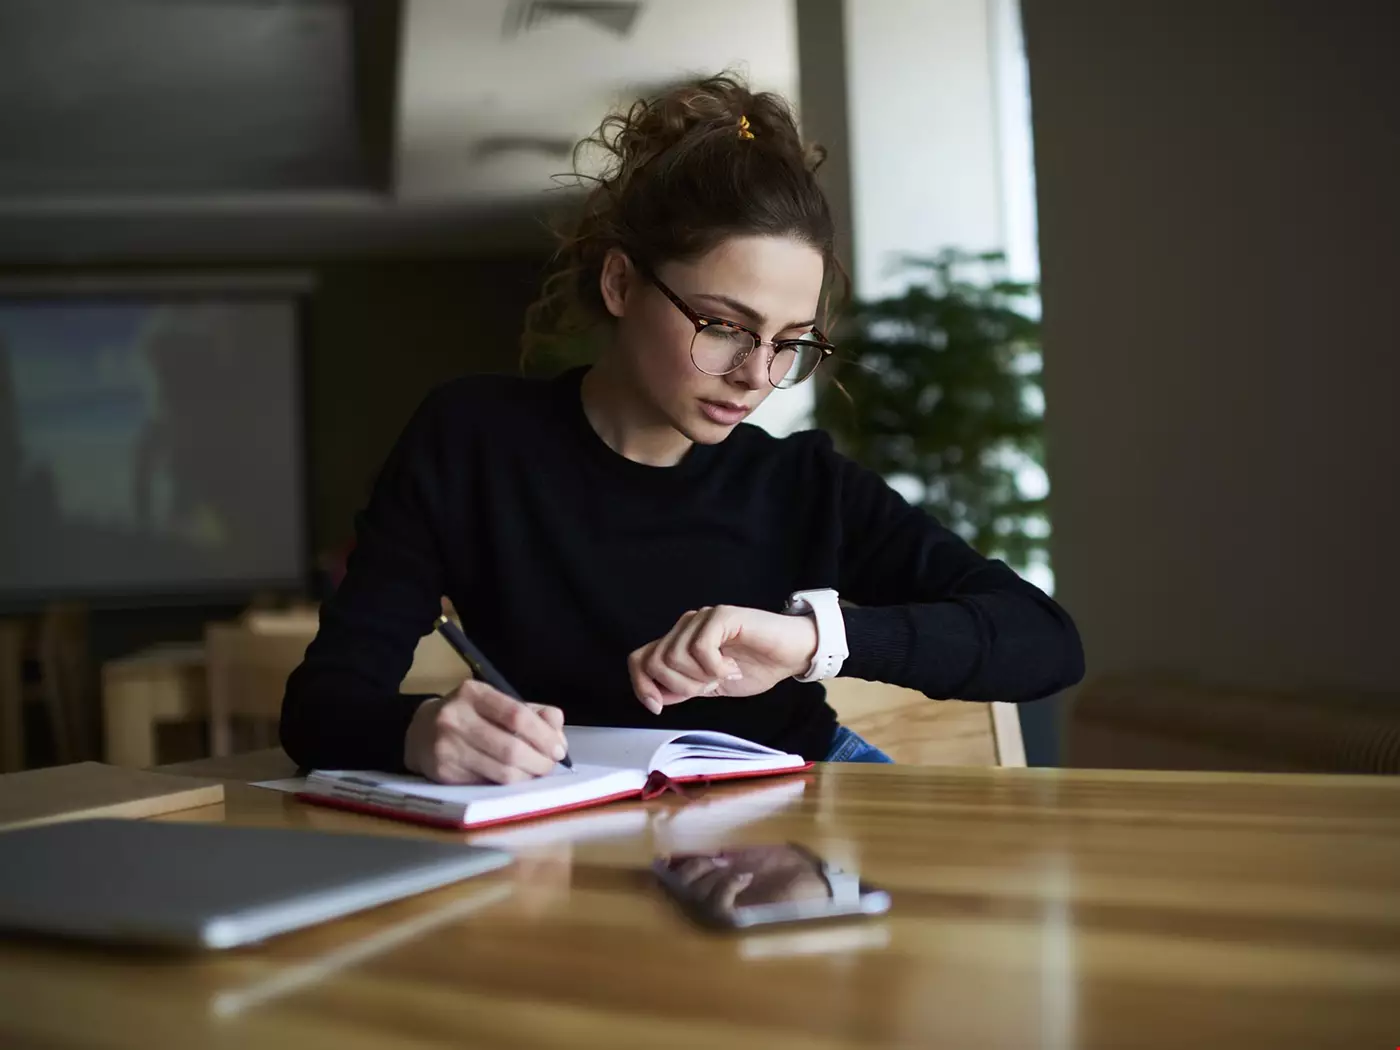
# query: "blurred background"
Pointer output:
{"type": "Point", "coordinates": [1124, 316]}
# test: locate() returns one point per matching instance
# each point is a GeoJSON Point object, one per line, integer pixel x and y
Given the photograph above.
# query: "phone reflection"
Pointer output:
{"type": "Point", "coordinates": [728, 881]}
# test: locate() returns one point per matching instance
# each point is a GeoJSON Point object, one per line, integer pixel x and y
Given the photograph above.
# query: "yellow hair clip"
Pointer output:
{"type": "Point", "coordinates": [744, 132]}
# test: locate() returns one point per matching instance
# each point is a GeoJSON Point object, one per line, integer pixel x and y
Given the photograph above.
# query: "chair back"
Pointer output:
{"type": "Point", "coordinates": [249, 660]}
{"type": "Point", "coordinates": [914, 730]}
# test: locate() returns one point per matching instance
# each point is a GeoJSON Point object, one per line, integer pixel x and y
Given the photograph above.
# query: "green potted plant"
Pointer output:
{"type": "Point", "coordinates": [938, 390]}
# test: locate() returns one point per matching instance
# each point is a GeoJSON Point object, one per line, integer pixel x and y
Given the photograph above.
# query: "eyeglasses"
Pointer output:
{"type": "Point", "coordinates": [720, 347]}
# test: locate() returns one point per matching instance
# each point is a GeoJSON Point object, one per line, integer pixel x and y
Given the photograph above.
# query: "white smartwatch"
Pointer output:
{"type": "Point", "coordinates": [824, 606]}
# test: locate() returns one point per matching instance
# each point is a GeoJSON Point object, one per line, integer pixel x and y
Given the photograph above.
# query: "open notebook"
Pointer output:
{"type": "Point", "coordinates": [609, 764]}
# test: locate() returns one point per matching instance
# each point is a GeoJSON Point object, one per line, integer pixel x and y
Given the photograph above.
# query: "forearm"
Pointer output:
{"type": "Point", "coordinates": [342, 708]}
{"type": "Point", "coordinates": [934, 615]}
{"type": "Point", "coordinates": [1007, 646]}
{"type": "Point", "coordinates": [332, 719]}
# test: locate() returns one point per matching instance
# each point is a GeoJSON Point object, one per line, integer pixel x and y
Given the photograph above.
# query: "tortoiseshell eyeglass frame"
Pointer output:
{"type": "Point", "coordinates": [703, 321]}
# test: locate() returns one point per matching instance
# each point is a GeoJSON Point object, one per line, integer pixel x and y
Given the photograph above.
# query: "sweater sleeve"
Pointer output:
{"type": "Point", "coordinates": [936, 616]}
{"type": "Point", "coordinates": [342, 708]}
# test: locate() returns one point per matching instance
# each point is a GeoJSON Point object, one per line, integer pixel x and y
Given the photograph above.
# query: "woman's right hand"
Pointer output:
{"type": "Point", "coordinates": [478, 735]}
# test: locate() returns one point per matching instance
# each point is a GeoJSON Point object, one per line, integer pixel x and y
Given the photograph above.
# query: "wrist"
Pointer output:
{"type": "Point", "coordinates": [809, 639]}
{"type": "Point", "coordinates": [425, 710]}
{"type": "Point", "coordinates": [822, 607]}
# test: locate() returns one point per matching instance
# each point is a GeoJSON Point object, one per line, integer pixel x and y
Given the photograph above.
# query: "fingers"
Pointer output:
{"type": "Point", "coordinates": [435, 748]}
{"type": "Point", "coordinates": [688, 661]}
{"type": "Point", "coordinates": [728, 894]}
{"type": "Point", "coordinates": [479, 735]}
{"type": "Point", "coordinates": [692, 868]}
{"type": "Point", "coordinates": [712, 882]}
{"type": "Point", "coordinates": [458, 763]}
{"type": "Point", "coordinates": [647, 691]}
{"type": "Point", "coordinates": [686, 653]}
{"type": "Point", "coordinates": [675, 684]}
{"type": "Point", "coordinates": [721, 888]}
{"type": "Point", "coordinates": [506, 750]}
{"type": "Point", "coordinates": [668, 663]}
{"type": "Point", "coordinates": [655, 683]}
{"type": "Point", "coordinates": [706, 647]}
{"type": "Point", "coordinates": [552, 716]}
{"type": "Point", "coordinates": [522, 722]}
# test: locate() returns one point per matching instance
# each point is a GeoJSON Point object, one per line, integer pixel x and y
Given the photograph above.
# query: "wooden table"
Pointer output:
{"type": "Point", "coordinates": [1032, 908]}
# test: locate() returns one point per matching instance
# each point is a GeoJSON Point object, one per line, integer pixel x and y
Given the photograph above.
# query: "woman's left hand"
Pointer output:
{"type": "Point", "coordinates": [722, 650]}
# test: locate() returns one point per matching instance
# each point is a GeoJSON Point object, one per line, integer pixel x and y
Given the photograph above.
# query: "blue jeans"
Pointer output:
{"type": "Point", "coordinates": [849, 747]}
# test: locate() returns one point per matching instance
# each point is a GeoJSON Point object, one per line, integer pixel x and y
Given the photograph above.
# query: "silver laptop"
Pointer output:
{"type": "Point", "coordinates": [210, 885]}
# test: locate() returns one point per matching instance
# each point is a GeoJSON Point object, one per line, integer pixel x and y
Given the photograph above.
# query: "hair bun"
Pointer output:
{"type": "Point", "coordinates": [714, 107]}
{"type": "Point", "coordinates": [681, 170]}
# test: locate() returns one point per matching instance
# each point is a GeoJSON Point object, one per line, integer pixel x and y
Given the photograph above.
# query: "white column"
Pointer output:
{"type": "Point", "coordinates": [924, 145]}
{"type": "Point", "coordinates": [822, 112]}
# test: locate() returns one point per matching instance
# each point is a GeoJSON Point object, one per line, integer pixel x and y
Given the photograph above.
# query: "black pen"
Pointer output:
{"type": "Point", "coordinates": [481, 667]}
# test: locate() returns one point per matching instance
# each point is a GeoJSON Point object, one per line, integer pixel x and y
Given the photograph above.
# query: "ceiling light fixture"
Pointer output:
{"type": "Point", "coordinates": [615, 18]}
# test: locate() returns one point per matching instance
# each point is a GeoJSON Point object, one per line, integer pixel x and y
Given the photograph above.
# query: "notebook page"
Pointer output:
{"type": "Point", "coordinates": [485, 801]}
{"type": "Point", "coordinates": [462, 794]}
{"type": "Point", "coordinates": [620, 748]}
{"type": "Point", "coordinates": [648, 749]}
{"type": "Point", "coordinates": [710, 739]}
{"type": "Point", "coordinates": [683, 765]}
{"type": "Point", "coordinates": [587, 783]}
{"type": "Point", "coordinates": [707, 753]}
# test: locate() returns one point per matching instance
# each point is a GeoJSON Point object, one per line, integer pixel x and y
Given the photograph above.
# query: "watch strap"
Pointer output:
{"type": "Point", "coordinates": [824, 606]}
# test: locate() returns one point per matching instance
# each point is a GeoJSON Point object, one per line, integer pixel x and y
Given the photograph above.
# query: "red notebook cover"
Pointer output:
{"type": "Point", "coordinates": [658, 783]}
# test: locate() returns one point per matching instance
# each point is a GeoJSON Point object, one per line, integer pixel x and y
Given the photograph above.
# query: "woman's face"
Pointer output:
{"type": "Point", "coordinates": [769, 284]}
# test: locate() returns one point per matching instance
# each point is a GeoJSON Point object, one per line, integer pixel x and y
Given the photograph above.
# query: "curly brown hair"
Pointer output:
{"type": "Point", "coordinates": [682, 172]}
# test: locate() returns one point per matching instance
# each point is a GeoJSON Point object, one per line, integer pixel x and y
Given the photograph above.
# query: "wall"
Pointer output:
{"type": "Point", "coordinates": [1218, 210]}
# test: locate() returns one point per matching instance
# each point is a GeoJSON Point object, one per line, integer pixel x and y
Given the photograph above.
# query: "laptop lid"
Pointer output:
{"type": "Point", "coordinates": [210, 885]}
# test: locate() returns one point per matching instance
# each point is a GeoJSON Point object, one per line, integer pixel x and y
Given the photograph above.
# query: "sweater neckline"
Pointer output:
{"type": "Point", "coordinates": [696, 458]}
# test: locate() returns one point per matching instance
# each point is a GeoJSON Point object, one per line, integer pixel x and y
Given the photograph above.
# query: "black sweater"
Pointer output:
{"type": "Point", "coordinates": [562, 557]}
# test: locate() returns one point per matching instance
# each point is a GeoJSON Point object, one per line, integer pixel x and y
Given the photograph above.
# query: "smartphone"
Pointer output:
{"type": "Point", "coordinates": [752, 886]}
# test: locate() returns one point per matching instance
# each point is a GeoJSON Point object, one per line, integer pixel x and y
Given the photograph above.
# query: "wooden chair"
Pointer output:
{"type": "Point", "coordinates": [914, 730]}
{"type": "Point", "coordinates": [54, 646]}
{"type": "Point", "coordinates": [248, 665]}
{"type": "Point", "coordinates": [248, 661]}
{"type": "Point", "coordinates": [66, 681]}
{"type": "Point", "coordinates": [12, 634]}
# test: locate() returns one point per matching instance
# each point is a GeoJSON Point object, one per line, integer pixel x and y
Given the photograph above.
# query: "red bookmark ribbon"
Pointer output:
{"type": "Point", "coordinates": [659, 784]}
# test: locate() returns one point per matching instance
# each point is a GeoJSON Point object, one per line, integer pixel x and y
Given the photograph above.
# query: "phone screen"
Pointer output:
{"type": "Point", "coordinates": [759, 885]}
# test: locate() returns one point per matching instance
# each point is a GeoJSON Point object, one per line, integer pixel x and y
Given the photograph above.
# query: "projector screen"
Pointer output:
{"type": "Point", "coordinates": [149, 446]}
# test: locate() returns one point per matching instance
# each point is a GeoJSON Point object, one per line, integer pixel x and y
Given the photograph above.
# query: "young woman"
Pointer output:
{"type": "Point", "coordinates": [619, 542]}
